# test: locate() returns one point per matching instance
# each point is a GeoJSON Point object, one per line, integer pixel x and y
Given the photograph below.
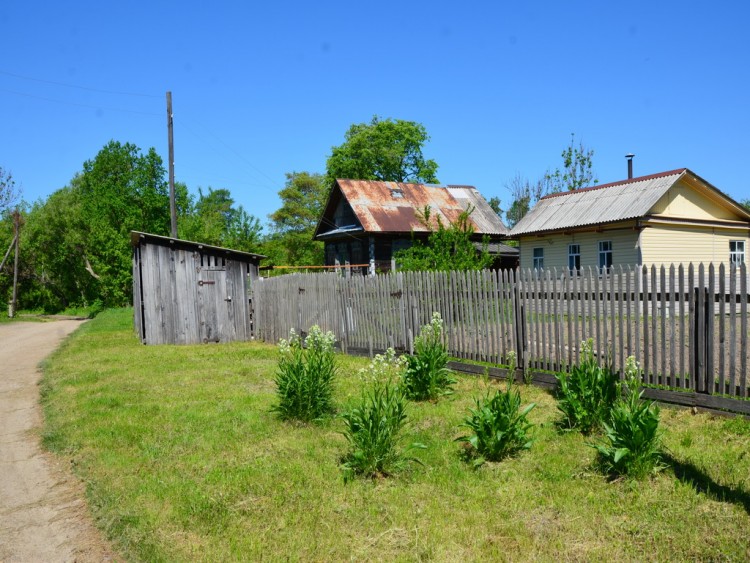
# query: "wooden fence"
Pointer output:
{"type": "Point", "coordinates": [686, 325]}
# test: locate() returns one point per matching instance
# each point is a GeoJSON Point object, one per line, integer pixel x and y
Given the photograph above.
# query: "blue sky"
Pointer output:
{"type": "Point", "coordinates": [261, 89]}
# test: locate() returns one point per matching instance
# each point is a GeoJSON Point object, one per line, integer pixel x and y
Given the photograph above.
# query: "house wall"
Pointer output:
{"type": "Point", "coordinates": [669, 244]}
{"type": "Point", "coordinates": [683, 201]}
{"type": "Point", "coordinates": [624, 248]}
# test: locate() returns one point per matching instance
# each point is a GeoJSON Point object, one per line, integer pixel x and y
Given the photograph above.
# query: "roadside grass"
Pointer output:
{"type": "Point", "coordinates": [183, 459]}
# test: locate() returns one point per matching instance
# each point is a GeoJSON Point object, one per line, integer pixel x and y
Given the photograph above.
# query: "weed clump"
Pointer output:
{"type": "Point", "coordinates": [500, 427]}
{"type": "Point", "coordinates": [587, 393]}
{"type": "Point", "coordinates": [373, 427]}
{"type": "Point", "coordinates": [304, 379]}
{"type": "Point", "coordinates": [427, 376]}
{"type": "Point", "coordinates": [632, 445]}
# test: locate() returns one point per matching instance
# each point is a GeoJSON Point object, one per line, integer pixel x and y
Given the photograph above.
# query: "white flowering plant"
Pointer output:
{"type": "Point", "coordinates": [304, 379]}
{"type": "Point", "coordinates": [427, 376]}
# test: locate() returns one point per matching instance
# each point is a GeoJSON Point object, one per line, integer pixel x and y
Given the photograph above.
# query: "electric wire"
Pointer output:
{"type": "Point", "coordinates": [87, 88]}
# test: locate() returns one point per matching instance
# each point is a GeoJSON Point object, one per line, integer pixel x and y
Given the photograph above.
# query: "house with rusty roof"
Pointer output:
{"type": "Point", "coordinates": [668, 218]}
{"type": "Point", "coordinates": [367, 221]}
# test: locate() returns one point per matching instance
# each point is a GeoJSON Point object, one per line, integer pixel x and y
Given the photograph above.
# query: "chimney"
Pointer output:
{"type": "Point", "coordinates": [630, 156]}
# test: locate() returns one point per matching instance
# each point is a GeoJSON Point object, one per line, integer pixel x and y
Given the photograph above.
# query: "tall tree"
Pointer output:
{"type": "Point", "coordinates": [214, 219]}
{"type": "Point", "coordinates": [302, 199]}
{"type": "Point", "coordinates": [577, 171]}
{"type": "Point", "coordinates": [384, 149]}
{"type": "Point", "coordinates": [8, 192]}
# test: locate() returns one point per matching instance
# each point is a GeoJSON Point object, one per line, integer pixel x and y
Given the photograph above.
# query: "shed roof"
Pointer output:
{"type": "Point", "coordinates": [391, 207]}
{"type": "Point", "coordinates": [136, 238]}
{"type": "Point", "coordinates": [608, 203]}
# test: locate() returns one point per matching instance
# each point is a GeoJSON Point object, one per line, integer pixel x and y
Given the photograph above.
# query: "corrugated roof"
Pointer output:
{"type": "Point", "coordinates": [608, 203]}
{"type": "Point", "coordinates": [392, 206]}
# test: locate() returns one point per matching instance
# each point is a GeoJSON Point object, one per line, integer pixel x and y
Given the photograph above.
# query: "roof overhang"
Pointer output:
{"type": "Point", "coordinates": [137, 238]}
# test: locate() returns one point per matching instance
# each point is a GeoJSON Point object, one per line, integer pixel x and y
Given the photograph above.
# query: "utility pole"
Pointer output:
{"type": "Point", "coordinates": [17, 229]}
{"type": "Point", "coordinates": [172, 206]}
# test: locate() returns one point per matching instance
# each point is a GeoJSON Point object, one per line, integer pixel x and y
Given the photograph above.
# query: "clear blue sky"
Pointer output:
{"type": "Point", "coordinates": [263, 88]}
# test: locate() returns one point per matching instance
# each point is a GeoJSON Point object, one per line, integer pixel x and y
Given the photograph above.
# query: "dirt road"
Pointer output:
{"type": "Point", "coordinates": [43, 516]}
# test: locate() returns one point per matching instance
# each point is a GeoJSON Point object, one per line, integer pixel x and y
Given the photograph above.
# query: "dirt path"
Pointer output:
{"type": "Point", "coordinates": [43, 516]}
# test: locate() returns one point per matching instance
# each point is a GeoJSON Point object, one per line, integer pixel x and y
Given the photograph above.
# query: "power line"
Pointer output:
{"type": "Point", "coordinates": [6, 73]}
{"type": "Point", "coordinates": [77, 104]}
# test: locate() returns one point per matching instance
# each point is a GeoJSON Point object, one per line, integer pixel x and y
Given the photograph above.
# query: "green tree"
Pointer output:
{"type": "Point", "coordinates": [303, 197]}
{"type": "Point", "coordinates": [448, 247]}
{"type": "Point", "coordinates": [214, 219]}
{"type": "Point", "coordinates": [387, 150]}
{"type": "Point", "coordinates": [577, 171]}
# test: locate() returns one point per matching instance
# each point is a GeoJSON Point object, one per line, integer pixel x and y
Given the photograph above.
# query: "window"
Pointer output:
{"type": "Point", "coordinates": [605, 254]}
{"type": "Point", "coordinates": [736, 252]}
{"type": "Point", "coordinates": [574, 257]}
{"type": "Point", "coordinates": [538, 258]}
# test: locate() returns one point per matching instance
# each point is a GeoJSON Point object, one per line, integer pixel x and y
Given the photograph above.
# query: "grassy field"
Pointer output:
{"type": "Point", "coordinates": [183, 461]}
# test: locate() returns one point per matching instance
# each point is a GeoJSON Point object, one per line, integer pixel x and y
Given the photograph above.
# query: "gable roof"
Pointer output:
{"type": "Point", "coordinates": [609, 203]}
{"type": "Point", "coordinates": [391, 207]}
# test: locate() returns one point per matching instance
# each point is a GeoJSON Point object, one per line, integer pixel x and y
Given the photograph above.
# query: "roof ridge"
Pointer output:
{"type": "Point", "coordinates": [619, 183]}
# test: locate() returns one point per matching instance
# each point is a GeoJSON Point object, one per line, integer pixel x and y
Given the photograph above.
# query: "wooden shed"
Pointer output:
{"type": "Point", "coordinates": [187, 293]}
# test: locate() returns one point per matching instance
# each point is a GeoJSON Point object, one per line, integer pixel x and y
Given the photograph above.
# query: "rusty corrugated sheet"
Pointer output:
{"type": "Point", "coordinates": [392, 207]}
{"type": "Point", "coordinates": [608, 203]}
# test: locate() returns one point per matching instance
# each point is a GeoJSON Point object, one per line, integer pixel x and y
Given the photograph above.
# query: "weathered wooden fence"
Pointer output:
{"type": "Point", "coordinates": [686, 325]}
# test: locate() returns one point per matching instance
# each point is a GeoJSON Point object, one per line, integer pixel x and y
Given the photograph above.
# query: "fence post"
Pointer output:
{"type": "Point", "coordinates": [701, 336]}
{"type": "Point", "coordinates": [520, 321]}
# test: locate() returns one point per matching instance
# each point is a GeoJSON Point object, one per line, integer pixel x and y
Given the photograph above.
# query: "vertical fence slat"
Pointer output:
{"type": "Point", "coordinates": [743, 329]}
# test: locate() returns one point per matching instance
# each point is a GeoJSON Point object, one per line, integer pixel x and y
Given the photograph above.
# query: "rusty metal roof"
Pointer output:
{"type": "Point", "coordinates": [391, 207]}
{"type": "Point", "coordinates": [608, 203]}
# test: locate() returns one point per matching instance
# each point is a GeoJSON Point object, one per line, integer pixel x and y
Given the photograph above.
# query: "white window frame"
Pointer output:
{"type": "Point", "coordinates": [537, 258]}
{"type": "Point", "coordinates": [736, 252]}
{"type": "Point", "coordinates": [574, 257]}
{"type": "Point", "coordinates": [605, 250]}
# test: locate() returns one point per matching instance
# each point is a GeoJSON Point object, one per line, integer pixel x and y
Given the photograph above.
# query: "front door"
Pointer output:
{"type": "Point", "coordinates": [214, 303]}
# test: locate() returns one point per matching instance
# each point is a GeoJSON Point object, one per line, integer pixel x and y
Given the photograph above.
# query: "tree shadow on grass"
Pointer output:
{"type": "Point", "coordinates": [703, 483]}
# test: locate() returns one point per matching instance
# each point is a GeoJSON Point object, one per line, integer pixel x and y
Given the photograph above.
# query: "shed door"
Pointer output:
{"type": "Point", "coordinates": [214, 302]}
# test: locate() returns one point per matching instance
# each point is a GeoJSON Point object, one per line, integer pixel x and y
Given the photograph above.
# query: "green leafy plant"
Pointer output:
{"type": "Point", "coordinates": [426, 376]}
{"type": "Point", "coordinates": [373, 427]}
{"type": "Point", "coordinates": [304, 379]}
{"type": "Point", "coordinates": [587, 393]}
{"type": "Point", "coordinates": [500, 427]}
{"type": "Point", "coordinates": [632, 438]}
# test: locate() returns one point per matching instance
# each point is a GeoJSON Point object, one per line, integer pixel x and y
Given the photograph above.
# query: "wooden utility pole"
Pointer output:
{"type": "Point", "coordinates": [172, 206]}
{"type": "Point", "coordinates": [17, 230]}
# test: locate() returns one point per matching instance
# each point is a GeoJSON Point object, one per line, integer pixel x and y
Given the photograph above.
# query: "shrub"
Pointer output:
{"type": "Point", "coordinates": [304, 379]}
{"type": "Point", "coordinates": [587, 393]}
{"type": "Point", "coordinates": [500, 428]}
{"type": "Point", "coordinates": [632, 445]}
{"type": "Point", "coordinates": [373, 427]}
{"type": "Point", "coordinates": [426, 376]}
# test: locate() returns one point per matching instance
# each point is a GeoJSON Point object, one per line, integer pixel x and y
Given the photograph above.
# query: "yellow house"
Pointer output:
{"type": "Point", "coordinates": [668, 218]}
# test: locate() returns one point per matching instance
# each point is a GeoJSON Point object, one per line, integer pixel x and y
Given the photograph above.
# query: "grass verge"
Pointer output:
{"type": "Point", "coordinates": [184, 460]}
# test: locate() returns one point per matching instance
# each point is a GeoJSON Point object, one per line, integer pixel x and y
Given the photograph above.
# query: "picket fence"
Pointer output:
{"type": "Point", "coordinates": [686, 325]}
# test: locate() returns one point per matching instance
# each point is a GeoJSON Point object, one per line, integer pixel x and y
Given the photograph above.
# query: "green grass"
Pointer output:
{"type": "Point", "coordinates": [183, 460]}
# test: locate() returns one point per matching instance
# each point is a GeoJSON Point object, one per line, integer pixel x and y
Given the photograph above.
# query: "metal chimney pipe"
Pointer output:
{"type": "Point", "coordinates": [630, 156]}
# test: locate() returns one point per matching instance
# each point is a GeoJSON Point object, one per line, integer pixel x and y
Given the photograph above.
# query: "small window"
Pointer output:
{"type": "Point", "coordinates": [605, 255]}
{"type": "Point", "coordinates": [396, 193]}
{"type": "Point", "coordinates": [574, 257]}
{"type": "Point", "coordinates": [539, 258]}
{"type": "Point", "coordinates": [736, 252]}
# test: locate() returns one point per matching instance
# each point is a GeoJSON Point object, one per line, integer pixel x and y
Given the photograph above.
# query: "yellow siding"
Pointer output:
{"type": "Point", "coordinates": [624, 248]}
{"type": "Point", "coordinates": [683, 201]}
{"type": "Point", "coordinates": [673, 245]}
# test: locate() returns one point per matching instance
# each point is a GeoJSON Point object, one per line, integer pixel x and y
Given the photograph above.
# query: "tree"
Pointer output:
{"type": "Point", "coordinates": [494, 204]}
{"type": "Point", "coordinates": [386, 150]}
{"type": "Point", "coordinates": [215, 220]}
{"type": "Point", "coordinates": [577, 171]}
{"type": "Point", "coordinates": [8, 192]}
{"type": "Point", "coordinates": [303, 197]}
{"type": "Point", "coordinates": [746, 203]}
{"type": "Point", "coordinates": [448, 247]}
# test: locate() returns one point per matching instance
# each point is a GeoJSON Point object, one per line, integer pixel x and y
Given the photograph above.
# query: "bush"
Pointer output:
{"type": "Point", "coordinates": [304, 379]}
{"type": "Point", "coordinates": [587, 393]}
{"type": "Point", "coordinates": [426, 376]}
{"type": "Point", "coordinates": [632, 435]}
{"type": "Point", "coordinates": [373, 427]}
{"type": "Point", "coordinates": [500, 427]}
